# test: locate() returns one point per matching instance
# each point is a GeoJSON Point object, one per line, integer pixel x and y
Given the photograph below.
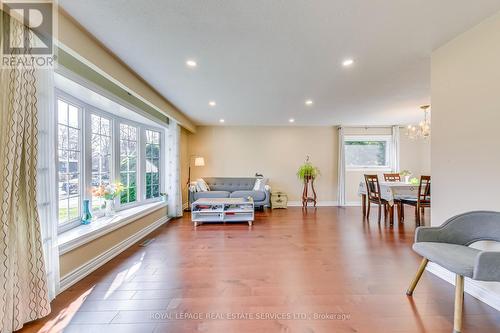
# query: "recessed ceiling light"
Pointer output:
{"type": "Point", "coordinates": [221, 121]}
{"type": "Point", "coordinates": [212, 103]}
{"type": "Point", "coordinates": [191, 63]}
{"type": "Point", "coordinates": [291, 120]}
{"type": "Point", "coordinates": [309, 102]}
{"type": "Point", "coordinates": [347, 62]}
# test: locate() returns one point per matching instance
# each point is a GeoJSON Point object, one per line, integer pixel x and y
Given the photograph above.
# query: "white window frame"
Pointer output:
{"type": "Point", "coordinates": [86, 111]}
{"type": "Point", "coordinates": [388, 154]}
{"type": "Point", "coordinates": [81, 165]}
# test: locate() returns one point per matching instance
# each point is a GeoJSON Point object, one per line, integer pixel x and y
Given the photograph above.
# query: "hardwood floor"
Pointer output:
{"type": "Point", "coordinates": [342, 273]}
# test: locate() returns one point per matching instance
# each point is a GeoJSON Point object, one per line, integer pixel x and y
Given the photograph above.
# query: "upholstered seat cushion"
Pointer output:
{"type": "Point", "coordinates": [211, 194]}
{"type": "Point", "coordinates": [458, 259]}
{"type": "Point", "coordinates": [256, 195]}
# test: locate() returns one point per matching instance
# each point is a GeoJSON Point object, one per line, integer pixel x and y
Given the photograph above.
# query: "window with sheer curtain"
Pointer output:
{"type": "Point", "coordinates": [97, 148]}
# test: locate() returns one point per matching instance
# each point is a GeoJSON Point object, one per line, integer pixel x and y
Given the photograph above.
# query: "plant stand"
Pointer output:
{"type": "Point", "coordinates": [305, 197]}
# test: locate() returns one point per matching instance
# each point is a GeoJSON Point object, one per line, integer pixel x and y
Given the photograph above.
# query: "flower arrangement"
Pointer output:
{"type": "Point", "coordinates": [108, 192]}
{"type": "Point", "coordinates": [405, 173]}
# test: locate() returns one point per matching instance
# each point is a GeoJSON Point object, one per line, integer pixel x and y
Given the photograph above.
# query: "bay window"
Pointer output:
{"type": "Point", "coordinates": [99, 146]}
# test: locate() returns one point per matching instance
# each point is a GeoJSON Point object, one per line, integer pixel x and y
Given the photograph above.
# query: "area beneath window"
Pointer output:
{"type": "Point", "coordinates": [83, 234]}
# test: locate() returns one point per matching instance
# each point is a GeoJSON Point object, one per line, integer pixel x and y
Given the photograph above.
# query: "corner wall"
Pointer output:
{"type": "Point", "coordinates": [465, 84]}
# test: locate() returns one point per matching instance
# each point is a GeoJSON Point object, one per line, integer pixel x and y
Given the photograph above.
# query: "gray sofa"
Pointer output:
{"type": "Point", "coordinates": [225, 187]}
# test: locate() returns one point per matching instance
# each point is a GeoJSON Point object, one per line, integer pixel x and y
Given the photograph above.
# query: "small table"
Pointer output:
{"type": "Point", "coordinates": [390, 191]}
{"type": "Point", "coordinates": [222, 210]}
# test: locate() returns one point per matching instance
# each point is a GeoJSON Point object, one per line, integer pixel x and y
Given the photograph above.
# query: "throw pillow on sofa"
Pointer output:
{"type": "Point", "coordinates": [202, 185]}
{"type": "Point", "coordinates": [260, 184]}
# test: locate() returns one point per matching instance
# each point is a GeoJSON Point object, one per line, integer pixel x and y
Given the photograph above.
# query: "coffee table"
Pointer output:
{"type": "Point", "coordinates": [222, 210]}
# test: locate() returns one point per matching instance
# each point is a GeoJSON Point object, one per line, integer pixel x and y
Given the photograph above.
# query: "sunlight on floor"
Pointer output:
{"type": "Point", "coordinates": [123, 276]}
{"type": "Point", "coordinates": [65, 315]}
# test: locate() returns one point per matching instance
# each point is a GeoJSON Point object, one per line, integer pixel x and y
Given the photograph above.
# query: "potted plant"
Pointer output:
{"type": "Point", "coordinates": [164, 196]}
{"type": "Point", "coordinates": [406, 175]}
{"type": "Point", "coordinates": [307, 171]}
{"type": "Point", "coordinates": [109, 193]}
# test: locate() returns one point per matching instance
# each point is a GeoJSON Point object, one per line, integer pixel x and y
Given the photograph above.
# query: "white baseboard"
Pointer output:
{"type": "Point", "coordinates": [319, 204]}
{"type": "Point", "coordinates": [79, 273]}
{"type": "Point", "coordinates": [353, 204]}
{"type": "Point", "coordinates": [471, 287]}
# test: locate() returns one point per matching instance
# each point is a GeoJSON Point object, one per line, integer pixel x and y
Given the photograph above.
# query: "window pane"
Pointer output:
{"type": "Point", "coordinates": [62, 112]}
{"type": "Point", "coordinates": [95, 121]}
{"type": "Point", "coordinates": [73, 136]}
{"type": "Point", "coordinates": [63, 211]}
{"type": "Point", "coordinates": [366, 153]}
{"type": "Point", "coordinates": [74, 211]}
{"type": "Point", "coordinates": [128, 162]}
{"type": "Point", "coordinates": [101, 159]}
{"type": "Point", "coordinates": [152, 164]}
{"type": "Point", "coordinates": [63, 137]}
{"type": "Point", "coordinates": [69, 155]}
{"type": "Point", "coordinates": [73, 116]}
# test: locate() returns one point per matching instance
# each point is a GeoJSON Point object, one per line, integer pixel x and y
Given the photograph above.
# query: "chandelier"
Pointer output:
{"type": "Point", "coordinates": [423, 129]}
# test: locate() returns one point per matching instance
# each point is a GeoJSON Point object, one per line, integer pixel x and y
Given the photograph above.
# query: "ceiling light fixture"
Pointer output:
{"type": "Point", "coordinates": [191, 63]}
{"type": "Point", "coordinates": [309, 102]}
{"type": "Point", "coordinates": [212, 103]}
{"type": "Point", "coordinates": [347, 62]}
{"type": "Point", "coordinates": [291, 120]}
{"type": "Point", "coordinates": [423, 129]}
{"type": "Point", "coordinates": [221, 121]}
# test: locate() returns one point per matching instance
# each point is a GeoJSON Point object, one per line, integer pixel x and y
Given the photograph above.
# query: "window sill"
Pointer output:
{"type": "Point", "coordinates": [83, 234]}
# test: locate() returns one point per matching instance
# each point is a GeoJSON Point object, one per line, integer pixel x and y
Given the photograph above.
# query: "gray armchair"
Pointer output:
{"type": "Point", "coordinates": [448, 246]}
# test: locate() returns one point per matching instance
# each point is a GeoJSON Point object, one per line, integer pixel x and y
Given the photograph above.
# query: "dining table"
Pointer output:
{"type": "Point", "coordinates": [390, 191]}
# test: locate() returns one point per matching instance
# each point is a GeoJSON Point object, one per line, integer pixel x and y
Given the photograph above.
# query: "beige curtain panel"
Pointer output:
{"type": "Point", "coordinates": [23, 284]}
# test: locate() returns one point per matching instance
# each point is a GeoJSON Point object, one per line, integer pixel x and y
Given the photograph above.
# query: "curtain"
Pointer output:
{"type": "Point", "coordinates": [174, 170]}
{"type": "Point", "coordinates": [395, 149]}
{"type": "Point", "coordinates": [46, 177]}
{"type": "Point", "coordinates": [23, 280]}
{"type": "Point", "coordinates": [341, 169]}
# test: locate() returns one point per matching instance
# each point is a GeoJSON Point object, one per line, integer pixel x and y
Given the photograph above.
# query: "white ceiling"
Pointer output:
{"type": "Point", "coordinates": [261, 59]}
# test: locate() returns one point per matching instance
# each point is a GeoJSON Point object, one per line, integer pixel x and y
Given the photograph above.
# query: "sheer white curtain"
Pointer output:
{"type": "Point", "coordinates": [174, 170]}
{"type": "Point", "coordinates": [23, 281]}
{"type": "Point", "coordinates": [395, 149]}
{"type": "Point", "coordinates": [341, 168]}
{"type": "Point", "coordinates": [46, 177]}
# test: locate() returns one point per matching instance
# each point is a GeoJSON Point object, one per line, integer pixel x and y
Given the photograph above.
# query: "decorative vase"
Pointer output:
{"type": "Point", "coordinates": [86, 215]}
{"type": "Point", "coordinates": [407, 179]}
{"type": "Point", "coordinates": [110, 207]}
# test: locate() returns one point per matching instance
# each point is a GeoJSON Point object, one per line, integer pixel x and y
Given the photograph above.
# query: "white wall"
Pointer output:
{"type": "Point", "coordinates": [465, 124]}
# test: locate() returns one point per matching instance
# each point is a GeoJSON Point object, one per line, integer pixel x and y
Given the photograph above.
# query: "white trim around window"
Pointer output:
{"type": "Point", "coordinates": [85, 165]}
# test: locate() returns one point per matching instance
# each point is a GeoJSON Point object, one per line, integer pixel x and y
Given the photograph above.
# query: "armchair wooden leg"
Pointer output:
{"type": "Point", "coordinates": [417, 277]}
{"type": "Point", "coordinates": [459, 304]}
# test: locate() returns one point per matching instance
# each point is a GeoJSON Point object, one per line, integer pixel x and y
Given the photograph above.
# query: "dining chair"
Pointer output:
{"type": "Point", "coordinates": [392, 177]}
{"type": "Point", "coordinates": [423, 199]}
{"type": "Point", "coordinates": [396, 177]}
{"type": "Point", "coordinates": [373, 196]}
